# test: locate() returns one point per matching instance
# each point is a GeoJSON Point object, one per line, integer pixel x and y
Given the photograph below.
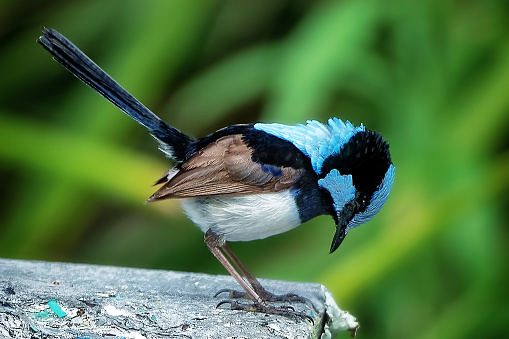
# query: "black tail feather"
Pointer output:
{"type": "Point", "coordinates": [173, 142]}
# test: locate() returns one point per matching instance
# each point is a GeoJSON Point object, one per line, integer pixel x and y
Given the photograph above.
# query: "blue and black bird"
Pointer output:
{"type": "Point", "coordinates": [247, 182]}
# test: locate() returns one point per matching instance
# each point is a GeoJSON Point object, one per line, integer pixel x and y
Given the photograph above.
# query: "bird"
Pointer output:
{"type": "Point", "coordinates": [252, 181]}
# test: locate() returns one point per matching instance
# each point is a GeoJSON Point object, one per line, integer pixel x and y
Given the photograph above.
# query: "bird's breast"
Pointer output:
{"type": "Point", "coordinates": [244, 218]}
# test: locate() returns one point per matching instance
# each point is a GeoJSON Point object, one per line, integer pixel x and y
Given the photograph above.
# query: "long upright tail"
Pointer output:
{"type": "Point", "coordinates": [172, 142]}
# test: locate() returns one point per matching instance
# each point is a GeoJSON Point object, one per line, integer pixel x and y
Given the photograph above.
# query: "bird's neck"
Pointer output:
{"type": "Point", "coordinates": [311, 201]}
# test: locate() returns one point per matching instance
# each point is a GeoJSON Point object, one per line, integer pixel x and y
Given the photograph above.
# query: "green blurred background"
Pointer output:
{"type": "Point", "coordinates": [431, 76]}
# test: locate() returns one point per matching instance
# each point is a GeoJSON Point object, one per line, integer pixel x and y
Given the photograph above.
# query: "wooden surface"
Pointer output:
{"type": "Point", "coordinates": [57, 300]}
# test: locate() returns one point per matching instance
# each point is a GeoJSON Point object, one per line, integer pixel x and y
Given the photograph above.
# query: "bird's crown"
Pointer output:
{"type": "Point", "coordinates": [316, 140]}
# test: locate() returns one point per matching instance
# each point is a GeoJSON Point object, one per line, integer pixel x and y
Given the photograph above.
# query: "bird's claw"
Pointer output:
{"type": "Point", "coordinates": [267, 296]}
{"type": "Point", "coordinates": [286, 311]}
{"type": "Point", "coordinates": [289, 297]}
{"type": "Point", "coordinates": [232, 294]}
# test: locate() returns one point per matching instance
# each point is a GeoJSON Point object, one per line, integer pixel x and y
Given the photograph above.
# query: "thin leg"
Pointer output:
{"type": "Point", "coordinates": [257, 287]}
{"type": "Point", "coordinates": [250, 278]}
{"type": "Point", "coordinates": [224, 261]}
{"type": "Point", "coordinates": [215, 244]}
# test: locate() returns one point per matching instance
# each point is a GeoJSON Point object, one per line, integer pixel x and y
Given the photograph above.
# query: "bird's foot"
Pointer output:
{"type": "Point", "coordinates": [232, 294]}
{"type": "Point", "coordinates": [267, 296]}
{"type": "Point", "coordinates": [285, 311]}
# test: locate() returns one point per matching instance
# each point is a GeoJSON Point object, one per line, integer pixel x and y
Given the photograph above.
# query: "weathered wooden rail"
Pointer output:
{"type": "Point", "coordinates": [58, 300]}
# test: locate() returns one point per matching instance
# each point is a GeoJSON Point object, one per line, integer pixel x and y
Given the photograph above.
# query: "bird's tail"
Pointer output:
{"type": "Point", "coordinates": [172, 142]}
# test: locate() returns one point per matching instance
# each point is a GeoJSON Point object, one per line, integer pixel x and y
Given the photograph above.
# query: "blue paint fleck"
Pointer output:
{"type": "Point", "coordinates": [57, 309]}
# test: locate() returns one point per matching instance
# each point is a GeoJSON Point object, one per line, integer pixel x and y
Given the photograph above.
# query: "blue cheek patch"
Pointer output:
{"type": "Point", "coordinates": [340, 187]}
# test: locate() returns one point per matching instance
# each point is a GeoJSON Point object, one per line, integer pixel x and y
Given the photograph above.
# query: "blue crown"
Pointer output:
{"type": "Point", "coordinates": [316, 140]}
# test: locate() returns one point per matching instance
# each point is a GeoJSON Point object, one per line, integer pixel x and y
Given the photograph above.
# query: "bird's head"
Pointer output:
{"type": "Point", "coordinates": [358, 178]}
{"type": "Point", "coordinates": [353, 166]}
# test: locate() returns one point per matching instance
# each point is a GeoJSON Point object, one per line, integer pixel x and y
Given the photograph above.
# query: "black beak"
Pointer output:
{"type": "Point", "coordinates": [338, 237]}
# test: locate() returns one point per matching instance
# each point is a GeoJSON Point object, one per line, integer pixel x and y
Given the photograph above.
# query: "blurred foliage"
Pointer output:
{"type": "Point", "coordinates": [431, 76]}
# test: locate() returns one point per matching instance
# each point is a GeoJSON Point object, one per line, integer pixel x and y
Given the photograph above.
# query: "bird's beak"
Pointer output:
{"type": "Point", "coordinates": [338, 237]}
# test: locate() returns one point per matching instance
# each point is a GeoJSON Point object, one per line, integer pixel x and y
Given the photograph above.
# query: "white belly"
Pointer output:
{"type": "Point", "coordinates": [244, 218]}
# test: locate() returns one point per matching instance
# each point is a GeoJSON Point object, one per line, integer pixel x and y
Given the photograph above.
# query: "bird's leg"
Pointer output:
{"type": "Point", "coordinates": [224, 261]}
{"type": "Point", "coordinates": [258, 288]}
{"type": "Point", "coordinates": [250, 278]}
{"type": "Point", "coordinates": [214, 244]}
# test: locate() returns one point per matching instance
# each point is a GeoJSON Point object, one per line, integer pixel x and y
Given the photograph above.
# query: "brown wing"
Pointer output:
{"type": "Point", "coordinates": [222, 168]}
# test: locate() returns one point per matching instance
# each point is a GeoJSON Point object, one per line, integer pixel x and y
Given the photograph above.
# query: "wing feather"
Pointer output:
{"type": "Point", "coordinates": [224, 167]}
